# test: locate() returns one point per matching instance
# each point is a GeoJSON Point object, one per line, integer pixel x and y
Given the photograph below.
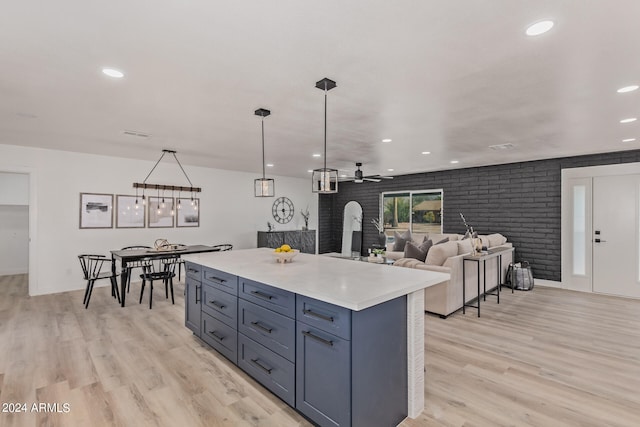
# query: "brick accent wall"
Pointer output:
{"type": "Point", "coordinates": [518, 200]}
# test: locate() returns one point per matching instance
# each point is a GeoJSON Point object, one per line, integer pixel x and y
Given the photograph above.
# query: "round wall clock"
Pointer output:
{"type": "Point", "coordinates": [282, 210]}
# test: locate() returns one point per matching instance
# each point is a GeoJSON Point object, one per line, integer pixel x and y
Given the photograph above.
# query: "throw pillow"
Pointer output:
{"type": "Point", "coordinates": [445, 240]}
{"type": "Point", "coordinates": [411, 250]}
{"type": "Point", "coordinates": [438, 254]}
{"type": "Point", "coordinates": [400, 240]}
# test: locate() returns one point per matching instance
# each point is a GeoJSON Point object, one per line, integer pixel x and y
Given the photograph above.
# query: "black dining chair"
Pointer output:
{"type": "Point", "coordinates": [162, 269]}
{"type": "Point", "coordinates": [92, 269]}
{"type": "Point", "coordinates": [135, 264]}
{"type": "Point", "coordinates": [223, 247]}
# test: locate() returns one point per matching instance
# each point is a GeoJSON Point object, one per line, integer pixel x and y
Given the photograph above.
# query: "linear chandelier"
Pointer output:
{"type": "Point", "coordinates": [144, 186]}
{"type": "Point", "coordinates": [325, 180]}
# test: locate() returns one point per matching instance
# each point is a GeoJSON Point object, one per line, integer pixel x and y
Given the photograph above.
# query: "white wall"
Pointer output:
{"type": "Point", "coordinates": [229, 211]}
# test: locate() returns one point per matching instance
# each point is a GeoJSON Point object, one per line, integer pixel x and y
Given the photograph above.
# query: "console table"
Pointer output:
{"type": "Point", "coordinates": [340, 342]}
{"type": "Point", "coordinates": [304, 240]}
{"type": "Point", "coordinates": [482, 259]}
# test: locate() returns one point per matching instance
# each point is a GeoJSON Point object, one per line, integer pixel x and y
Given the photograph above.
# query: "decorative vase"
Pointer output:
{"type": "Point", "coordinates": [382, 240]}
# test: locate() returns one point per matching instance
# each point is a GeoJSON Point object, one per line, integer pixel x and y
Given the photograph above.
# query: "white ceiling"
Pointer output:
{"type": "Point", "coordinates": [449, 77]}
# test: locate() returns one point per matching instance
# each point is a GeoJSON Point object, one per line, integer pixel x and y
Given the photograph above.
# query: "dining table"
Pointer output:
{"type": "Point", "coordinates": [128, 256]}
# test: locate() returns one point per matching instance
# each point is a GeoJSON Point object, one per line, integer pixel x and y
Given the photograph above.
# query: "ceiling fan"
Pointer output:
{"type": "Point", "coordinates": [359, 177]}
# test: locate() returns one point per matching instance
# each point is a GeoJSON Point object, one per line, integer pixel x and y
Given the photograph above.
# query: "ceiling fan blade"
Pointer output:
{"type": "Point", "coordinates": [372, 179]}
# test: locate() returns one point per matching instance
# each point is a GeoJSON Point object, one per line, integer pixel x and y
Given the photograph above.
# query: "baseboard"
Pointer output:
{"type": "Point", "coordinates": [548, 283]}
{"type": "Point", "coordinates": [14, 272]}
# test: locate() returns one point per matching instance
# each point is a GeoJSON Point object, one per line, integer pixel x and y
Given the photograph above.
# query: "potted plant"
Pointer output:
{"type": "Point", "coordinates": [382, 238]}
{"type": "Point", "coordinates": [378, 253]}
{"type": "Point", "coordinates": [305, 215]}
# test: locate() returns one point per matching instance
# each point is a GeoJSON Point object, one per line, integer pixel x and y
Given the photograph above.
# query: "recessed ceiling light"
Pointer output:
{"type": "Point", "coordinates": [539, 28]}
{"type": "Point", "coordinates": [627, 89]}
{"type": "Point", "coordinates": [112, 72]}
{"type": "Point", "coordinates": [426, 152]}
{"type": "Point", "coordinates": [310, 170]}
{"type": "Point", "coordinates": [628, 140]}
{"type": "Point", "coordinates": [317, 155]}
{"type": "Point", "coordinates": [269, 165]}
{"type": "Point", "coordinates": [498, 147]}
{"type": "Point", "coordinates": [629, 120]}
{"type": "Point", "coordinates": [453, 162]}
{"type": "Point", "coordinates": [390, 170]}
{"type": "Point", "coordinates": [386, 140]}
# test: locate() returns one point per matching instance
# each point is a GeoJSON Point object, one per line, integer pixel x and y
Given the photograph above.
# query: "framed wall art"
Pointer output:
{"type": "Point", "coordinates": [96, 210]}
{"type": "Point", "coordinates": [130, 214]}
{"type": "Point", "coordinates": [160, 212]}
{"type": "Point", "coordinates": [188, 212]}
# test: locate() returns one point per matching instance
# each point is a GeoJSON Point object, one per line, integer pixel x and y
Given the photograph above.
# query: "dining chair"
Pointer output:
{"type": "Point", "coordinates": [135, 264]}
{"type": "Point", "coordinates": [180, 261]}
{"type": "Point", "coordinates": [92, 266]}
{"type": "Point", "coordinates": [223, 247]}
{"type": "Point", "coordinates": [163, 269]}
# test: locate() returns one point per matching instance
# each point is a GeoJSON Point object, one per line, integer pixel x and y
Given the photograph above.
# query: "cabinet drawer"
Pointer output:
{"type": "Point", "coordinates": [221, 280]}
{"type": "Point", "coordinates": [272, 330]}
{"type": "Point", "coordinates": [220, 336]}
{"type": "Point", "coordinates": [221, 305]}
{"type": "Point", "coordinates": [193, 270]}
{"type": "Point", "coordinates": [278, 300]}
{"type": "Point", "coordinates": [273, 371]}
{"type": "Point", "coordinates": [328, 317]}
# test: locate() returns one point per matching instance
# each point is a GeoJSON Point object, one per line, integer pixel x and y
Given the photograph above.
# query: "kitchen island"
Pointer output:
{"type": "Point", "coordinates": [340, 341]}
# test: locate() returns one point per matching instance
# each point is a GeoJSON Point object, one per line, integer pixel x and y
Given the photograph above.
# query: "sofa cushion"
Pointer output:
{"type": "Point", "coordinates": [436, 237]}
{"type": "Point", "coordinates": [400, 240]}
{"type": "Point", "coordinates": [496, 239]}
{"type": "Point", "coordinates": [464, 246]}
{"type": "Point", "coordinates": [411, 250]}
{"type": "Point", "coordinates": [438, 254]}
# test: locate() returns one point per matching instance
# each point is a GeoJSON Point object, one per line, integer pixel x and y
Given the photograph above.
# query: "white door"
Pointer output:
{"type": "Point", "coordinates": [616, 235]}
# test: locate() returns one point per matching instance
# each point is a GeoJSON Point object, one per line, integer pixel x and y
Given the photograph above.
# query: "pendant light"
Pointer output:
{"type": "Point", "coordinates": [325, 180]}
{"type": "Point", "coordinates": [263, 187]}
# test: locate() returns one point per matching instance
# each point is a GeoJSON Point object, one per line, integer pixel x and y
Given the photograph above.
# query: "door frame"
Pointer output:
{"type": "Point", "coordinates": [569, 281]}
{"type": "Point", "coordinates": [33, 223]}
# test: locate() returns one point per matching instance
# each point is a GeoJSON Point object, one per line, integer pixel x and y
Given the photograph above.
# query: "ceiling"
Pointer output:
{"type": "Point", "coordinates": [448, 77]}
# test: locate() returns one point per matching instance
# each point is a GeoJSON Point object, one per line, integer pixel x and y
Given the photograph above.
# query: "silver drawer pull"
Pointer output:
{"type": "Point", "coordinates": [259, 365]}
{"type": "Point", "coordinates": [317, 315]}
{"type": "Point", "coordinates": [193, 270]}
{"type": "Point", "coordinates": [320, 340]}
{"type": "Point", "coordinates": [216, 336]}
{"type": "Point", "coordinates": [218, 305]}
{"type": "Point", "coordinates": [217, 279]}
{"type": "Point", "coordinates": [263, 328]}
{"type": "Point", "coordinates": [262, 295]}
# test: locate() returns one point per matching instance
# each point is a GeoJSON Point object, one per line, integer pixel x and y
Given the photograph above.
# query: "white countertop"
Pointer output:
{"type": "Point", "coordinates": [355, 285]}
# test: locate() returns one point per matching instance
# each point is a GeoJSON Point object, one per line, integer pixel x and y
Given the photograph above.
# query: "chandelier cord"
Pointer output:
{"type": "Point", "coordinates": [154, 167]}
{"type": "Point", "coordinates": [263, 172]}
{"type": "Point", "coordinates": [325, 126]}
{"type": "Point", "coordinates": [185, 174]}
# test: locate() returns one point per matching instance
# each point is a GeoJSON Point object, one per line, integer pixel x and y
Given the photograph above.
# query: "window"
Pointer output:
{"type": "Point", "coordinates": [418, 211]}
{"type": "Point", "coordinates": [579, 230]}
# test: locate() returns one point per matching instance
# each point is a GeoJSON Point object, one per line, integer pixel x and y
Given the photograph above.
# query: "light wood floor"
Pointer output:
{"type": "Point", "coordinates": [542, 358]}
